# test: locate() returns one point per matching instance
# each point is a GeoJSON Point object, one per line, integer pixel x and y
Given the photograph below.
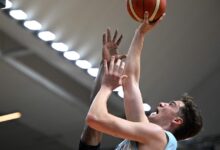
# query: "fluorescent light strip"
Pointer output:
{"type": "Point", "coordinates": [33, 25]}
{"type": "Point", "coordinates": [8, 4]}
{"type": "Point", "coordinates": [61, 47]}
{"type": "Point", "coordinates": [147, 107]}
{"type": "Point", "coordinates": [49, 36]}
{"type": "Point", "coordinates": [71, 55]}
{"type": "Point", "coordinates": [18, 14]}
{"type": "Point", "coordinates": [121, 93]}
{"type": "Point", "coordinates": [83, 64]}
{"type": "Point", "coordinates": [93, 71]}
{"type": "Point", "coordinates": [118, 89]}
{"type": "Point", "coordinates": [46, 36]}
{"type": "Point", "coordinates": [9, 117]}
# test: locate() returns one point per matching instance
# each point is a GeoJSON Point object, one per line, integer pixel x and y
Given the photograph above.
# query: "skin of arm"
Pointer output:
{"type": "Point", "coordinates": [100, 119]}
{"type": "Point", "coordinates": [133, 102]}
{"type": "Point", "coordinates": [89, 135]}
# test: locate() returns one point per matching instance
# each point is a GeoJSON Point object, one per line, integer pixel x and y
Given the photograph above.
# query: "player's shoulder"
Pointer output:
{"type": "Point", "coordinates": [155, 134]}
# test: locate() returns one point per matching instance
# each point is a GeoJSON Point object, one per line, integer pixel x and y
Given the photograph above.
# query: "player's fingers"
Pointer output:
{"type": "Point", "coordinates": [122, 56]}
{"type": "Point", "coordinates": [115, 35]}
{"type": "Point", "coordinates": [146, 17]}
{"type": "Point", "coordinates": [160, 19]}
{"type": "Point", "coordinates": [108, 35]}
{"type": "Point", "coordinates": [119, 40]}
{"type": "Point", "coordinates": [117, 65]}
{"type": "Point", "coordinates": [121, 68]}
{"type": "Point", "coordinates": [112, 62]}
{"type": "Point", "coordinates": [122, 79]}
{"type": "Point", "coordinates": [105, 66]}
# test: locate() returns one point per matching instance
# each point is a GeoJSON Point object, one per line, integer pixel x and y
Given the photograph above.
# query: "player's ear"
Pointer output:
{"type": "Point", "coordinates": [177, 121]}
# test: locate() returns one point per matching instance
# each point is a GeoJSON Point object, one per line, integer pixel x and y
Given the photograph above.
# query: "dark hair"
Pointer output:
{"type": "Point", "coordinates": [192, 119]}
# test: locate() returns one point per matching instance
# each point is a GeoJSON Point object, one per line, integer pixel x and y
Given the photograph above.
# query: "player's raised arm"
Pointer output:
{"type": "Point", "coordinates": [133, 100]}
{"type": "Point", "coordinates": [91, 138]}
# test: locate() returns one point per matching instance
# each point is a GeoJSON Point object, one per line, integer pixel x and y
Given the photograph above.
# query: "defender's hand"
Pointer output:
{"type": "Point", "coordinates": [110, 45]}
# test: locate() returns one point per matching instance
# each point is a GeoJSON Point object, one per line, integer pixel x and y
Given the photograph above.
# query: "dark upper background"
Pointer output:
{"type": "Point", "coordinates": [182, 54]}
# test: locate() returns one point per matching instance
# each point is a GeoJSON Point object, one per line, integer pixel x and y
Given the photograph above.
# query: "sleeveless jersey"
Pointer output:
{"type": "Point", "coordinates": [131, 145]}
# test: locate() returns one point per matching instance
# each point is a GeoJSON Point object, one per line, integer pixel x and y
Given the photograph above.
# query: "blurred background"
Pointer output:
{"type": "Point", "coordinates": [47, 79]}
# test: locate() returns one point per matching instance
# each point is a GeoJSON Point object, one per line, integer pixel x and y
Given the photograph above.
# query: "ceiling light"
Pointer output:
{"type": "Point", "coordinates": [146, 107]}
{"type": "Point", "coordinates": [71, 55]}
{"type": "Point", "coordinates": [18, 14]}
{"type": "Point", "coordinates": [84, 64]}
{"type": "Point", "coordinates": [46, 36]}
{"type": "Point", "coordinates": [60, 47]}
{"type": "Point", "coordinates": [118, 89]}
{"type": "Point", "coordinates": [8, 4]}
{"type": "Point", "coordinates": [11, 116]}
{"type": "Point", "coordinates": [32, 25]}
{"type": "Point", "coordinates": [93, 71]}
{"type": "Point", "coordinates": [121, 93]}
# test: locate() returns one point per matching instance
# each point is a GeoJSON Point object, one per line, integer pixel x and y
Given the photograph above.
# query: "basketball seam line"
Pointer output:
{"type": "Point", "coordinates": [155, 11]}
{"type": "Point", "coordinates": [133, 12]}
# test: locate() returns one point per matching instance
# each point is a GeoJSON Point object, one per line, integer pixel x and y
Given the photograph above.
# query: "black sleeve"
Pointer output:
{"type": "Point", "coordinates": [83, 146]}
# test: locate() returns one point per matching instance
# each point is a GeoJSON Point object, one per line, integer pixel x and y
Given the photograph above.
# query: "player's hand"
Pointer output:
{"type": "Point", "coordinates": [146, 25]}
{"type": "Point", "coordinates": [113, 73]}
{"type": "Point", "coordinates": [110, 45]}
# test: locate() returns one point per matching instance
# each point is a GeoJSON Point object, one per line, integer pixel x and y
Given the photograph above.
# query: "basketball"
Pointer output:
{"type": "Point", "coordinates": [155, 8]}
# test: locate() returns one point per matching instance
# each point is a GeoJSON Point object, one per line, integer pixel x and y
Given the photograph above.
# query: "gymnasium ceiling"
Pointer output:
{"type": "Point", "coordinates": [182, 54]}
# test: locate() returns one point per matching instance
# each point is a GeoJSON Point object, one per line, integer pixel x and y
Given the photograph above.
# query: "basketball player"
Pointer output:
{"type": "Point", "coordinates": [91, 138]}
{"type": "Point", "coordinates": [172, 121]}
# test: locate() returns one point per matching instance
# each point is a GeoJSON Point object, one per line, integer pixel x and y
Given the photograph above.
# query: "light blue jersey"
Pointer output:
{"type": "Point", "coordinates": [127, 145]}
{"type": "Point", "coordinates": [172, 142]}
{"type": "Point", "coordinates": [130, 145]}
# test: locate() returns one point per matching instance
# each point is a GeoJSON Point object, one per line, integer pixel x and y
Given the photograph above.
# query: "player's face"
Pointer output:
{"type": "Point", "coordinates": [166, 112]}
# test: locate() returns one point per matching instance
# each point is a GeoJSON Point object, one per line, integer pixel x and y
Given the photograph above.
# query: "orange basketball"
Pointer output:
{"type": "Point", "coordinates": [155, 8]}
